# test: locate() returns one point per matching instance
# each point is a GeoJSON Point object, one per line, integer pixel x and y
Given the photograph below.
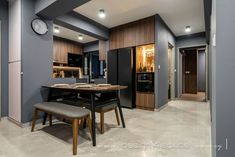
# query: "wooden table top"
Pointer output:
{"type": "Point", "coordinates": [93, 88]}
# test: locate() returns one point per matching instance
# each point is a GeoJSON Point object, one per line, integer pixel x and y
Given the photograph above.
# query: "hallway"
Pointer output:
{"type": "Point", "coordinates": [200, 96]}
{"type": "Point", "coordinates": [182, 129]}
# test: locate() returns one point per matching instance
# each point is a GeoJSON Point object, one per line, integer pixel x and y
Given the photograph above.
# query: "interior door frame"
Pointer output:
{"type": "Point", "coordinates": [179, 69]}
{"type": "Point", "coordinates": [198, 51]}
{"type": "Point", "coordinates": [172, 68]}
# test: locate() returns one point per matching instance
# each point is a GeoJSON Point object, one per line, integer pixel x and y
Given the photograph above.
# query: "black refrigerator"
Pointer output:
{"type": "Point", "coordinates": [121, 71]}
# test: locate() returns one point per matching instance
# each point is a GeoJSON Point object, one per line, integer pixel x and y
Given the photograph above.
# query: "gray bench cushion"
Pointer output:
{"type": "Point", "coordinates": [63, 109]}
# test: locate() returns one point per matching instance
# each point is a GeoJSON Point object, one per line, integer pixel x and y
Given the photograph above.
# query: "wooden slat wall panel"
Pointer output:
{"type": "Point", "coordinates": [103, 49]}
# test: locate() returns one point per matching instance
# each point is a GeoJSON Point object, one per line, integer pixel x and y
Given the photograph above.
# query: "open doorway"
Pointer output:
{"type": "Point", "coordinates": [171, 73]}
{"type": "Point", "coordinates": [193, 73]}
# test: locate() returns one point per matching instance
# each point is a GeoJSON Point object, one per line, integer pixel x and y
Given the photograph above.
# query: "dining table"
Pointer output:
{"type": "Point", "coordinates": [89, 89]}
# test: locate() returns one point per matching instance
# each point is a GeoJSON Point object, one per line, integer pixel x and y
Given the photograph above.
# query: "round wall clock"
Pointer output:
{"type": "Point", "coordinates": [39, 26]}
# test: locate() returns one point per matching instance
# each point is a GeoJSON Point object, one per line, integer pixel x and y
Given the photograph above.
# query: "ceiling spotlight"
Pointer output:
{"type": "Point", "coordinates": [188, 29]}
{"type": "Point", "coordinates": [56, 30]}
{"type": "Point", "coordinates": [102, 14]}
{"type": "Point", "coordinates": [80, 37]}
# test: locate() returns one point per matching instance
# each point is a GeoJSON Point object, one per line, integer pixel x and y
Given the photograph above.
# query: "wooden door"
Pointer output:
{"type": "Point", "coordinates": [190, 71]}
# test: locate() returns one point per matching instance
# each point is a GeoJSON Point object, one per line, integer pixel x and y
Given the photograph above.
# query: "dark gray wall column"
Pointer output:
{"type": "Point", "coordinates": [37, 62]}
{"type": "Point", "coordinates": [163, 37]}
{"type": "Point", "coordinates": [4, 57]}
{"type": "Point", "coordinates": [223, 79]}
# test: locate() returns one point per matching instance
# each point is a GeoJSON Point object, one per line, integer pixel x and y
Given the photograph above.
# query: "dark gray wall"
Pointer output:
{"type": "Point", "coordinates": [92, 46]}
{"type": "Point", "coordinates": [82, 24]}
{"type": "Point", "coordinates": [202, 71]}
{"type": "Point", "coordinates": [37, 54]}
{"type": "Point", "coordinates": [54, 8]}
{"type": "Point", "coordinates": [163, 37]}
{"type": "Point", "coordinates": [188, 41]}
{"type": "Point", "coordinates": [224, 86]}
{"type": "Point", "coordinates": [4, 61]}
{"type": "Point", "coordinates": [207, 17]}
{"type": "Point", "coordinates": [41, 4]}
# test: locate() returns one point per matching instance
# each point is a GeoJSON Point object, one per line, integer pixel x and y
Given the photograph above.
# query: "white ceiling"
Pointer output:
{"type": "Point", "coordinates": [73, 35]}
{"type": "Point", "coordinates": [176, 13]}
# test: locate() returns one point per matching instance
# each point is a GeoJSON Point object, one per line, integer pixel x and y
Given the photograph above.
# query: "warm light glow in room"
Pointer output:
{"type": "Point", "coordinates": [145, 58]}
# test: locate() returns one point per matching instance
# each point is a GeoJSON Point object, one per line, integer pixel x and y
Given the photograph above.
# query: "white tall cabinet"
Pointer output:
{"type": "Point", "coordinates": [15, 60]}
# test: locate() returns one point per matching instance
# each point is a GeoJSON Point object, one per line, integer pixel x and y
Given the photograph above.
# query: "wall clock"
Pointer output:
{"type": "Point", "coordinates": [39, 26]}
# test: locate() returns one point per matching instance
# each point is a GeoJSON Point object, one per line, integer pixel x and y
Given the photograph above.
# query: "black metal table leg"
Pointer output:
{"type": "Point", "coordinates": [93, 119]}
{"type": "Point", "coordinates": [48, 99]}
{"type": "Point", "coordinates": [120, 110]}
{"type": "Point", "coordinates": [44, 118]}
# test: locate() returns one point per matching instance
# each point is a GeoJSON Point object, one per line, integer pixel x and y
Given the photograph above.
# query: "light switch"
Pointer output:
{"type": "Point", "coordinates": [159, 67]}
{"type": "Point", "coordinates": [214, 40]}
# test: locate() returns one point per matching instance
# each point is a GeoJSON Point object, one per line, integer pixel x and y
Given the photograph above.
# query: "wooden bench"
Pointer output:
{"type": "Point", "coordinates": [74, 113]}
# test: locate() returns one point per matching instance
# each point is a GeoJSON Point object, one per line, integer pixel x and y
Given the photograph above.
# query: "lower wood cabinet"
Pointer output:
{"type": "Point", "coordinates": [145, 101]}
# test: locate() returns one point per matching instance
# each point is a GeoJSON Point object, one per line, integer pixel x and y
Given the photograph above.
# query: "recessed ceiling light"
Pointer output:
{"type": "Point", "coordinates": [80, 37]}
{"type": "Point", "coordinates": [56, 30]}
{"type": "Point", "coordinates": [188, 29]}
{"type": "Point", "coordinates": [102, 14]}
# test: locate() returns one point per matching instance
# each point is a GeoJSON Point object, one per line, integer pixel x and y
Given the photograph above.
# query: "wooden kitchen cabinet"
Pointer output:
{"type": "Point", "coordinates": [129, 35]}
{"type": "Point", "coordinates": [117, 38]}
{"type": "Point", "coordinates": [61, 48]}
{"type": "Point", "coordinates": [145, 31]}
{"type": "Point", "coordinates": [145, 101]}
{"type": "Point", "coordinates": [56, 51]}
{"type": "Point", "coordinates": [136, 33]}
{"type": "Point", "coordinates": [112, 39]}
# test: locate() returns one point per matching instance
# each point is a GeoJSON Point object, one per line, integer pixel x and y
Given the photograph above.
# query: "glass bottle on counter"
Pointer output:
{"type": "Point", "coordinates": [140, 69]}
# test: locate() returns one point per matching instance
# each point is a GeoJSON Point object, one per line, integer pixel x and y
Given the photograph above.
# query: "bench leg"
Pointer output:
{"type": "Point", "coordinates": [50, 119]}
{"type": "Point", "coordinates": [34, 119]}
{"type": "Point", "coordinates": [75, 136]}
{"type": "Point", "coordinates": [101, 122]}
{"type": "Point", "coordinates": [117, 117]}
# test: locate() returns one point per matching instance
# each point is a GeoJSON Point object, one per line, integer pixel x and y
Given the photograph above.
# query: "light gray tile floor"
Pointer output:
{"type": "Point", "coordinates": [182, 129]}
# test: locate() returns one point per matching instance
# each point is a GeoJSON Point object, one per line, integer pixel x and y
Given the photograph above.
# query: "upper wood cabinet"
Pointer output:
{"type": "Point", "coordinates": [116, 38]}
{"type": "Point", "coordinates": [136, 33]}
{"type": "Point", "coordinates": [61, 48]}
{"type": "Point", "coordinates": [145, 31]}
{"type": "Point", "coordinates": [129, 37]}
